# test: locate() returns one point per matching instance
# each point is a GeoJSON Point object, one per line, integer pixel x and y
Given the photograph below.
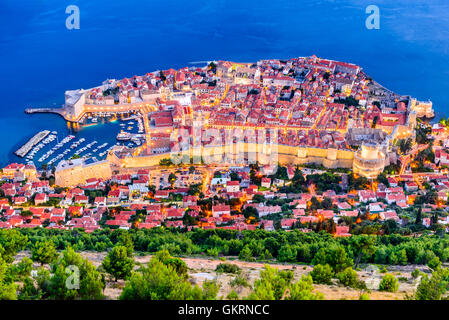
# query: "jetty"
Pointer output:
{"type": "Point", "coordinates": [60, 111]}
{"type": "Point", "coordinates": [38, 137]}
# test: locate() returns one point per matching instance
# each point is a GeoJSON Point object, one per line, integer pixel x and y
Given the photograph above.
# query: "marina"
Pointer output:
{"type": "Point", "coordinates": [92, 140]}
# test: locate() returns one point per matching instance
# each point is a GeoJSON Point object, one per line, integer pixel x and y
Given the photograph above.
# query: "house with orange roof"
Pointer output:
{"type": "Point", "coordinates": [10, 170]}
{"type": "Point", "coordinates": [396, 198]}
{"type": "Point", "coordinates": [19, 200]}
{"type": "Point", "coordinates": [342, 231]}
{"type": "Point", "coordinates": [287, 223]}
{"type": "Point", "coordinates": [267, 225]}
{"type": "Point", "coordinates": [40, 198]}
{"type": "Point", "coordinates": [81, 199]}
{"type": "Point", "coordinates": [15, 221]}
{"type": "Point", "coordinates": [175, 224]}
{"type": "Point", "coordinates": [100, 201]}
{"type": "Point", "coordinates": [148, 225]}
{"type": "Point", "coordinates": [366, 196]}
{"type": "Point", "coordinates": [75, 211]}
{"type": "Point", "coordinates": [265, 183]}
{"type": "Point", "coordinates": [411, 186]}
{"type": "Point", "coordinates": [175, 213]}
{"type": "Point", "coordinates": [387, 215]}
{"type": "Point", "coordinates": [232, 186]}
{"type": "Point", "coordinates": [221, 209]}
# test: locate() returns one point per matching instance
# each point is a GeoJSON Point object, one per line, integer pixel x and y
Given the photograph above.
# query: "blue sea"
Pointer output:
{"type": "Point", "coordinates": [40, 58]}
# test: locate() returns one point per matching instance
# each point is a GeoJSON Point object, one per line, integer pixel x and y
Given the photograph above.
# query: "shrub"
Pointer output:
{"type": "Point", "coordinates": [232, 295]}
{"type": "Point", "coordinates": [347, 277]}
{"type": "Point", "coordinates": [44, 252]}
{"type": "Point", "coordinates": [434, 263]}
{"type": "Point", "coordinates": [176, 263]}
{"type": "Point", "coordinates": [212, 252]}
{"type": "Point", "coordinates": [389, 283]}
{"type": "Point", "coordinates": [118, 264]}
{"type": "Point", "coordinates": [322, 274]}
{"type": "Point", "coordinates": [228, 268]}
{"type": "Point", "coordinates": [433, 287]}
{"type": "Point", "coordinates": [246, 254]}
{"type": "Point", "coordinates": [416, 273]}
{"type": "Point", "coordinates": [239, 281]}
{"type": "Point", "coordinates": [364, 296]}
{"type": "Point", "coordinates": [158, 281]}
{"type": "Point", "coordinates": [278, 285]}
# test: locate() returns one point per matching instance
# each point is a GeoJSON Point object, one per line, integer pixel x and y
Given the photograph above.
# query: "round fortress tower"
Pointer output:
{"type": "Point", "coordinates": [369, 160]}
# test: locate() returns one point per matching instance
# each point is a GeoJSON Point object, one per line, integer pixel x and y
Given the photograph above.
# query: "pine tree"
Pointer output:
{"type": "Point", "coordinates": [419, 216]}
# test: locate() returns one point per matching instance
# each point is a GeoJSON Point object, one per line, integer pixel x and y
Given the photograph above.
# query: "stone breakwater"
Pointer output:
{"type": "Point", "coordinates": [23, 150]}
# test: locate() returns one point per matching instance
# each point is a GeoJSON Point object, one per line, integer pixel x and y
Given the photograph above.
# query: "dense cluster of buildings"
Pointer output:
{"type": "Point", "coordinates": [304, 110]}
{"type": "Point", "coordinates": [148, 199]}
{"type": "Point", "coordinates": [304, 105]}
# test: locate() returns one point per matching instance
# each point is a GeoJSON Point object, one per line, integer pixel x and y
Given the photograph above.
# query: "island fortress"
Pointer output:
{"type": "Point", "coordinates": [307, 109]}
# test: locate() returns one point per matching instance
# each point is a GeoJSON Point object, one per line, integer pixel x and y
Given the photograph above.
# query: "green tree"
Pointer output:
{"type": "Point", "coordinates": [389, 283]}
{"type": "Point", "coordinates": [327, 203]}
{"type": "Point", "coordinates": [364, 296]}
{"type": "Point", "coordinates": [333, 255]}
{"type": "Point", "coordinates": [158, 281]}
{"type": "Point", "coordinates": [11, 241]}
{"type": "Point", "coordinates": [434, 263]}
{"type": "Point", "coordinates": [287, 254]}
{"type": "Point", "coordinates": [7, 289]}
{"type": "Point", "coordinates": [250, 212]}
{"type": "Point", "coordinates": [382, 178]}
{"type": "Point", "coordinates": [363, 245]}
{"type": "Point", "coordinates": [29, 291]}
{"type": "Point", "coordinates": [322, 274]}
{"type": "Point", "coordinates": [303, 290]}
{"type": "Point", "coordinates": [87, 284]}
{"type": "Point", "coordinates": [19, 271]}
{"type": "Point", "coordinates": [92, 282]}
{"type": "Point", "coordinates": [405, 145]}
{"type": "Point", "coordinates": [246, 254]}
{"type": "Point", "coordinates": [176, 263]}
{"type": "Point", "coordinates": [240, 282]}
{"type": "Point", "coordinates": [232, 295]}
{"type": "Point", "coordinates": [419, 216]}
{"type": "Point", "coordinates": [349, 278]}
{"type": "Point", "coordinates": [118, 264]}
{"type": "Point", "coordinates": [44, 252]}
{"type": "Point", "coordinates": [172, 178]}
{"type": "Point", "coordinates": [271, 285]}
{"type": "Point", "coordinates": [276, 285]}
{"type": "Point", "coordinates": [228, 268]}
{"type": "Point", "coordinates": [258, 198]}
{"type": "Point", "coordinates": [433, 287]}
{"type": "Point", "coordinates": [126, 241]}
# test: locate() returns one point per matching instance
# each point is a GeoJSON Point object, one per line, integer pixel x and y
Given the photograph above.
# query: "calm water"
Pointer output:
{"type": "Point", "coordinates": [40, 58]}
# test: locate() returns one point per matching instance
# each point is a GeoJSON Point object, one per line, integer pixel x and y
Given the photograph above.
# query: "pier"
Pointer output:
{"type": "Point", "coordinates": [59, 111]}
{"type": "Point", "coordinates": [22, 152]}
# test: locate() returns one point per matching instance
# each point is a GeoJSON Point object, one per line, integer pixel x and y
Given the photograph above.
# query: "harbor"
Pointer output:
{"type": "Point", "coordinates": [92, 138]}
